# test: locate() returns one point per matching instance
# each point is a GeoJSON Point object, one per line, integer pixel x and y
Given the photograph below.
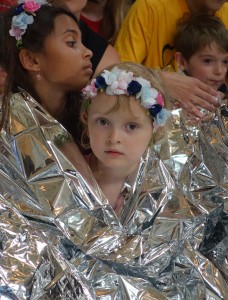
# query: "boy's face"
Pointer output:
{"type": "Point", "coordinates": [209, 65]}
{"type": "Point", "coordinates": [118, 138]}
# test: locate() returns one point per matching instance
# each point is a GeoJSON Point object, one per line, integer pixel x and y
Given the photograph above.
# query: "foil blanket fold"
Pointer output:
{"type": "Point", "coordinates": [60, 239]}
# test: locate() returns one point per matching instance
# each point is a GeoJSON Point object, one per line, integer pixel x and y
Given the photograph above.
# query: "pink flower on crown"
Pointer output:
{"type": "Point", "coordinates": [17, 32]}
{"type": "Point", "coordinates": [117, 81]}
{"type": "Point", "coordinates": [160, 99]}
{"type": "Point", "coordinates": [118, 87]}
{"type": "Point", "coordinates": [121, 82]}
{"type": "Point", "coordinates": [31, 6]}
{"type": "Point", "coordinates": [90, 90]}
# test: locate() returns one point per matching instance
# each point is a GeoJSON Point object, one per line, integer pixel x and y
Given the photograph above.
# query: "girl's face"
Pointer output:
{"type": "Point", "coordinates": [209, 65]}
{"type": "Point", "coordinates": [118, 138]}
{"type": "Point", "coordinates": [65, 63]}
{"type": "Point", "coordinates": [76, 6]}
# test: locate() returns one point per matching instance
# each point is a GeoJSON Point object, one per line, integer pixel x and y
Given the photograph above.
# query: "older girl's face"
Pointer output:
{"type": "Point", "coordinates": [65, 62]}
{"type": "Point", "coordinates": [76, 6]}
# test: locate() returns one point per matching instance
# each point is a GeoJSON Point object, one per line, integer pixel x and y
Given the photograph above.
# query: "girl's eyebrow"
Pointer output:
{"type": "Point", "coordinates": [207, 55]}
{"type": "Point", "coordinates": [69, 30]}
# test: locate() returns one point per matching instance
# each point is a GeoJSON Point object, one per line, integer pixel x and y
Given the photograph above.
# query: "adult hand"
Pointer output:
{"type": "Point", "coordinates": [191, 94]}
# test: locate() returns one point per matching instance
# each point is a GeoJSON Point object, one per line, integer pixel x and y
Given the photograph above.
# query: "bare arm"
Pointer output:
{"type": "Point", "coordinates": [191, 93]}
{"type": "Point", "coordinates": [110, 57]}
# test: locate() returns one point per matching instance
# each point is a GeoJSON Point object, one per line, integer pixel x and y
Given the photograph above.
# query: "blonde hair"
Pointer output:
{"type": "Point", "coordinates": [114, 14]}
{"type": "Point", "coordinates": [153, 76]}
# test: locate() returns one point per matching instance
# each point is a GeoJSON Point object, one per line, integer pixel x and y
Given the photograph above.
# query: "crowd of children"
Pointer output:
{"type": "Point", "coordinates": [112, 223]}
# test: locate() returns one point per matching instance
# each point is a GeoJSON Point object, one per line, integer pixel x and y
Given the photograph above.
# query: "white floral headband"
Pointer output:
{"type": "Point", "coordinates": [24, 16]}
{"type": "Point", "coordinates": [121, 82]}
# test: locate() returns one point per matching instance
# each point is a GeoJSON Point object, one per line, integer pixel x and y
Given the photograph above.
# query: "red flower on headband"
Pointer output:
{"type": "Point", "coordinates": [31, 6]}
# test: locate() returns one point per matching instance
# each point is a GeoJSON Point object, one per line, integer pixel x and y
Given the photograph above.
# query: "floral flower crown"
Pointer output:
{"type": "Point", "coordinates": [121, 82]}
{"type": "Point", "coordinates": [24, 16]}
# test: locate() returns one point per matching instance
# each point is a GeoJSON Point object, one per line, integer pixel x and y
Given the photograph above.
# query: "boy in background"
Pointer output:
{"type": "Point", "coordinates": [201, 44]}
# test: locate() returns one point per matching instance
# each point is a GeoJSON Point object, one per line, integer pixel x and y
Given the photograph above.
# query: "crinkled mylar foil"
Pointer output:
{"type": "Point", "coordinates": [60, 239]}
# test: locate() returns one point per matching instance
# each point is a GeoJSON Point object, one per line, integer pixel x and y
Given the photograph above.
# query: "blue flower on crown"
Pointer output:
{"type": "Point", "coordinates": [155, 109]}
{"type": "Point", "coordinates": [134, 87]}
{"type": "Point", "coordinates": [100, 83]}
{"type": "Point", "coordinates": [24, 16]}
{"type": "Point", "coordinates": [161, 118]}
{"type": "Point", "coordinates": [122, 82]}
{"type": "Point", "coordinates": [22, 20]}
{"type": "Point", "coordinates": [19, 9]}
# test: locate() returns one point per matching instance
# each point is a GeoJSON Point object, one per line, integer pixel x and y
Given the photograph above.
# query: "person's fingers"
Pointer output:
{"type": "Point", "coordinates": [199, 100]}
{"type": "Point", "coordinates": [205, 87]}
{"type": "Point", "coordinates": [192, 95]}
{"type": "Point", "coordinates": [208, 100]}
{"type": "Point", "coordinates": [202, 103]}
{"type": "Point", "coordinates": [191, 108]}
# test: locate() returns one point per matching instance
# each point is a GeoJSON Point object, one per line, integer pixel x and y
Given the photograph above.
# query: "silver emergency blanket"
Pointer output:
{"type": "Point", "coordinates": [60, 239]}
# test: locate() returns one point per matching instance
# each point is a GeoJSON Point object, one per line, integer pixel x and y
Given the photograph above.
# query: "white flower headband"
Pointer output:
{"type": "Point", "coordinates": [121, 82]}
{"type": "Point", "coordinates": [24, 16]}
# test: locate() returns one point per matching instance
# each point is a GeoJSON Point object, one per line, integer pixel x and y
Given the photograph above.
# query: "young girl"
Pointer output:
{"type": "Point", "coordinates": [122, 108]}
{"type": "Point", "coordinates": [201, 44]}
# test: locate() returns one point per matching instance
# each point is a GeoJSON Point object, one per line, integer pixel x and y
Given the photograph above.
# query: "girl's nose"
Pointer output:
{"type": "Point", "coordinates": [218, 68]}
{"type": "Point", "coordinates": [114, 137]}
{"type": "Point", "coordinates": [87, 52]}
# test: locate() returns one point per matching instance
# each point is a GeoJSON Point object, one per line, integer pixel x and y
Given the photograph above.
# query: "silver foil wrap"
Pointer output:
{"type": "Point", "coordinates": [60, 238]}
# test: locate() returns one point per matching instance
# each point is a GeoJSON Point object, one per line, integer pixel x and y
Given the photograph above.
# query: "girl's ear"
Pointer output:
{"type": "Point", "coordinates": [84, 118]}
{"type": "Point", "coordinates": [181, 61]}
{"type": "Point", "coordinates": [28, 60]}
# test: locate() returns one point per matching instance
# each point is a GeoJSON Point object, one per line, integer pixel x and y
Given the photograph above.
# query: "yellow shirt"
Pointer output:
{"type": "Point", "coordinates": [146, 35]}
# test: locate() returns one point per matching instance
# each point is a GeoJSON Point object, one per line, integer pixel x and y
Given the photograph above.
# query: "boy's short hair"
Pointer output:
{"type": "Point", "coordinates": [196, 31]}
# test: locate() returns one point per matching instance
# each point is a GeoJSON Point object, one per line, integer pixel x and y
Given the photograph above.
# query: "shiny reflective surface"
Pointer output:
{"type": "Point", "coordinates": [60, 239]}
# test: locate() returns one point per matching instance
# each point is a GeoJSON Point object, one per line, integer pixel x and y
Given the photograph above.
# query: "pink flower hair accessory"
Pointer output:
{"type": "Point", "coordinates": [121, 82]}
{"type": "Point", "coordinates": [24, 16]}
{"type": "Point", "coordinates": [31, 6]}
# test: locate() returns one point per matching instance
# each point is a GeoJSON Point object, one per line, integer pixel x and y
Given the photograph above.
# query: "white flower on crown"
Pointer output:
{"type": "Point", "coordinates": [143, 82]}
{"type": "Point", "coordinates": [148, 94]}
{"type": "Point", "coordinates": [121, 82]}
{"type": "Point", "coordinates": [117, 81]}
{"type": "Point", "coordinates": [23, 17]}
